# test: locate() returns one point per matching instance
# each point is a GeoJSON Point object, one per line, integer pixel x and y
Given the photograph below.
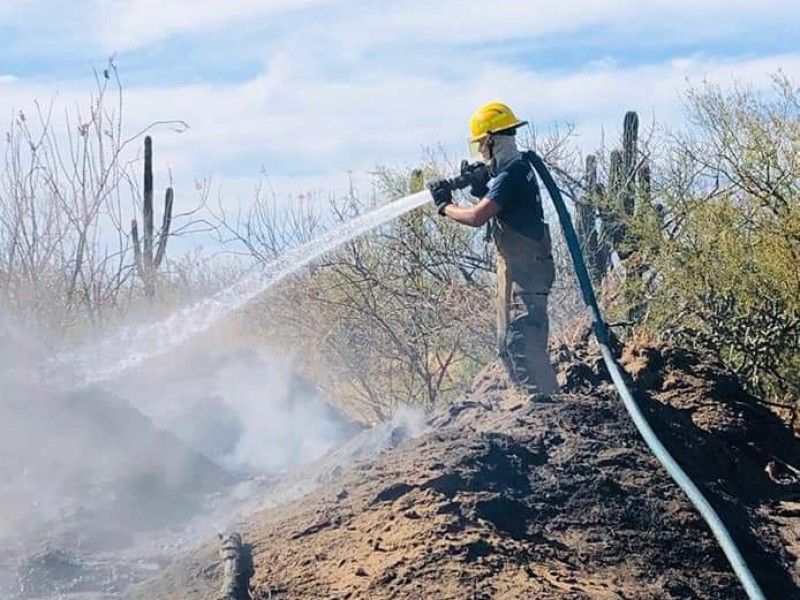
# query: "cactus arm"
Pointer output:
{"type": "Point", "coordinates": [165, 225]}
{"type": "Point", "coordinates": [137, 248]}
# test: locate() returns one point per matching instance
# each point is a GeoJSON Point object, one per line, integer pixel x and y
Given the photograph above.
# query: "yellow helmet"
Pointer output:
{"type": "Point", "coordinates": [494, 117]}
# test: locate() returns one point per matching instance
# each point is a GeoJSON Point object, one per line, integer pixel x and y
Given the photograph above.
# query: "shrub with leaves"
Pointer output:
{"type": "Point", "coordinates": [723, 272]}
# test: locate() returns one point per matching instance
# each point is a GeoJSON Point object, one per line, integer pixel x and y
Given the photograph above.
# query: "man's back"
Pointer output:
{"type": "Point", "coordinates": [516, 191]}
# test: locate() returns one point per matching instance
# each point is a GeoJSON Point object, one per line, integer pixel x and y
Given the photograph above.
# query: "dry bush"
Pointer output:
{"type": "Point", "coordinates": [402, 315]}
{"type": "Point", "coordinates": [68, 190]}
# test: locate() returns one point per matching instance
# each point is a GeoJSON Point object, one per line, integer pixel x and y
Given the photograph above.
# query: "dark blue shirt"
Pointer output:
{"type": "Point", "coordinates": [516, 191]}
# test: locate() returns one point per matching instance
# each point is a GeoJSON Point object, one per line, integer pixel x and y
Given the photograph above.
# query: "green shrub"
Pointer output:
{"type": "Point", "coordinates": [718, 269]}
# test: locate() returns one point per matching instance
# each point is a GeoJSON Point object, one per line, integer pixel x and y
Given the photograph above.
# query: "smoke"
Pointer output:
{"type": "Point", "coordinates": [85, 464]}
{"type": "Point", "coordinates": [147, 448]}
{"type": "Point", "coordinates": [250, 411]}
{"type": "Point", "coordinates": [167, 454]}
{"type": "Point", "coordinates": [287, 423]}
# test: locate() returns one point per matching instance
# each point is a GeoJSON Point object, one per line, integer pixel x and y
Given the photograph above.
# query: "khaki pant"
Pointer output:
{"type": "Point", "coordinates": [525, 274]}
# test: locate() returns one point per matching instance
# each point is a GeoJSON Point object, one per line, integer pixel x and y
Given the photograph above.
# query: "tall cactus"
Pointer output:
{"type": "Point", "coordinates": [630, 139]}
{"type": "Point", "coordinates": [146, 263]}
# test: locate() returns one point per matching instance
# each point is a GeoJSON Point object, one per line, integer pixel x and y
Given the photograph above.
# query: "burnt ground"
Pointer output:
{"type": "Point", "coordinates": [502, 497]}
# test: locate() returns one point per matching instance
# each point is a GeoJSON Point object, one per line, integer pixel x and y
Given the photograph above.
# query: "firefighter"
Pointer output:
{"type": "Point", "coordinates": [508, 197]}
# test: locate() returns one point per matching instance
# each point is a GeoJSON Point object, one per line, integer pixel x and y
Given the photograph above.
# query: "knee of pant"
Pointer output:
{"type": "Point", "coordinates": [545, 275]}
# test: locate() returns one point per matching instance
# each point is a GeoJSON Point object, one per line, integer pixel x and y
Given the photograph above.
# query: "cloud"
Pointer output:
{"type": "Point", "coordinates": [310, 129]}
{"type": "Point", "coordinates": [300, 123]}
{"type": "Point", "coordinates": [127, 24]}
{"type": "Point", "coordinates": [509, 18]}
{"type": "Point", "coordinates": [342, 85]}
{"type": "Point", "coordinates": [365, 27]}
{"type": "Point", "coordinates": [359, 27]}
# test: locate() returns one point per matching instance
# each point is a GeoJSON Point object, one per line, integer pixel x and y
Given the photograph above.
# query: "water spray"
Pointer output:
{"type": "Point", "coordinates": [112, 356]}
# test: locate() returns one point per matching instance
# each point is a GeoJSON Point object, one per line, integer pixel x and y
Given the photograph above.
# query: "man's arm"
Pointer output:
{"type": "Point", "coordinates": [476, 215]}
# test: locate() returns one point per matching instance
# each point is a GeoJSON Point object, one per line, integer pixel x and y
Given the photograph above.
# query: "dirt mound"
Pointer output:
{"type": "Point", "coordinates": [508, 498]}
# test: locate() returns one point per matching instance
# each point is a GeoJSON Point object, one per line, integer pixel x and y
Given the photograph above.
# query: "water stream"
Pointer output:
{"type": "Point", "coordinates": [107, 358]}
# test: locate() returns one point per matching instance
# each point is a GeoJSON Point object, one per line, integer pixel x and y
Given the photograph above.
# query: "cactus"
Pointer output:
{"type": "Point", "coordinates": [146, 263]}
{"type": "Point", "coordinates": [616, 174]}
{"type": "Point", "coordinates": [630, 138]}
{"type": "Point", "coordinates": [628, 187]}
{"type": "Point", "coordinates": [416, 182]}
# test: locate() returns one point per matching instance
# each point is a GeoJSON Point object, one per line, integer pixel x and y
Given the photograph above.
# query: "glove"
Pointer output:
{"type": "Point", "coordinates": [441, 193]}
{"type": "Point", "coordinates": [479, 178]}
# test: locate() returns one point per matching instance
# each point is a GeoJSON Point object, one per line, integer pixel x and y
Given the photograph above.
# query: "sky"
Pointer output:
{"type": "Point", "coordinates": [311, 92]}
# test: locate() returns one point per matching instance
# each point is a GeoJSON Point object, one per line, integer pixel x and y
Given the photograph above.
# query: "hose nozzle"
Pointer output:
{"type": "Point", "coordinates": [470, 173]}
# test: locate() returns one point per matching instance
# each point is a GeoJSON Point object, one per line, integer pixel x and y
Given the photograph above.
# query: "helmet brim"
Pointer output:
{"type": "Point", "coordinates": [510, 128]}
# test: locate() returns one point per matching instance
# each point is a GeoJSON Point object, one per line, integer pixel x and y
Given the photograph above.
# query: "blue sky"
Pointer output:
{"type": "Point", "coordinates": [311, 89]}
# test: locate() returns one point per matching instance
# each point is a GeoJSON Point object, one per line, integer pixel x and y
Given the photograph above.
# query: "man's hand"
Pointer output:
{"type": "Point", "coordinates": [442, 195]}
